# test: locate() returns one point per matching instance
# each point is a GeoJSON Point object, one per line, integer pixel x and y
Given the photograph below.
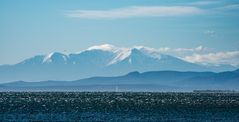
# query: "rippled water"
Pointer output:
{"type": "Point", "coordinates": [118, 106]}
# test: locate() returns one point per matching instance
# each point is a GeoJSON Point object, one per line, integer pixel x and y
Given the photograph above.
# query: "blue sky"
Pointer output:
{"type": "Point", "coordinates": [31, 27]}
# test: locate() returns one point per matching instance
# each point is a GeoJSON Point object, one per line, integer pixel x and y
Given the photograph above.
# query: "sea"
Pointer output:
{"type": "Point", "coordinates": [118, 106]}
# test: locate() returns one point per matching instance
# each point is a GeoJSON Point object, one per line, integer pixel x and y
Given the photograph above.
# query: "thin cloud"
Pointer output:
{"type": "Point", "coordinates": [229, 7]}
{"type": "Point", "coordinates": [203, 3]}
{"type": "Point", "coordinates": [180, 50]}
{"type": "Point", "coordinates": [231, 57]}
{"type": "Point", "coordinates": [135, 11]}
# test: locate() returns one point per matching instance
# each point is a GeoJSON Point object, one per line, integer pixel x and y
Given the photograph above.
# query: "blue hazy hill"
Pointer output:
{"type": "Point", "coordinates": [153, 80]}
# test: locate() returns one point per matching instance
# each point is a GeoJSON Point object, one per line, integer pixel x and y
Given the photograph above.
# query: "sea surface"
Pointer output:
{"type": "Point", "coordinates": [118, 106]}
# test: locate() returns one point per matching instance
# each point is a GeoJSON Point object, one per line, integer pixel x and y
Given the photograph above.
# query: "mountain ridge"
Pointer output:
{"type": "Point", "coordinates": [171, 79]}
{"type": "Point", "coordinates": [101, 60]}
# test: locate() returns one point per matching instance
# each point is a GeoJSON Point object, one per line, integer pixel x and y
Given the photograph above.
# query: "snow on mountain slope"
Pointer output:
{"type": "Point", "coordinates": [127, 52]}
{"type": "Point", "coordinates": [101, 60]}
{"type": "Point", "coordinates": [104, 47]}
{"type": "Point", "coordinates": [94, 57]}
{"type": "Point", "coordinates": [146, 59]}
{"type": "Point", "coordinates": [55, 58]}
{"type": "Point", "coordinates": [52, 58]}
{"type": "Point", "coordinates": [107, 55]}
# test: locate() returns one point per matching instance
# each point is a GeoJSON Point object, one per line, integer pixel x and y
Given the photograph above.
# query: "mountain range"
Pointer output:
{"type": "Point", "coordinates": [135, 81]}
{"type": "Point", "coordinates": [102, 60]}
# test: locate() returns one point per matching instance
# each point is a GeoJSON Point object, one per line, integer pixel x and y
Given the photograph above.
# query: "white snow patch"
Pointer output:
{"type": "Point", "coordinates": [47, 58]}
{"type": "Point", "coordinates": [154, 53]}
{"type": "Point", "coordinates": [126, 52]}
{"type": "Point", "coordinates": [123, 54]}
{"type": "Point", "coordinates": [130, 61]}
{"type": "Point", "coordinates": [104, 47]}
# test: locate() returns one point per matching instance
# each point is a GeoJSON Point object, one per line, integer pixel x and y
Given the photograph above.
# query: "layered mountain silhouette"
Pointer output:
{"type": "Point", "coordinates": [102, 60]}
{"type": "Point", "coordinates": [135, 81]}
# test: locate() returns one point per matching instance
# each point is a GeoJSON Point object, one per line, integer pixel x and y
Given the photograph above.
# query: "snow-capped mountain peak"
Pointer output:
{"type": "Point", "coordinates": [136, 50]}
{"type": "Point", "coordinates": [104, 47]}
{"type": "Point", "coordinates": [154, 53]}
{"type": "Point", "coordinates": [102, 60]}
{"type": "Point", "coordinates": [55, 57]}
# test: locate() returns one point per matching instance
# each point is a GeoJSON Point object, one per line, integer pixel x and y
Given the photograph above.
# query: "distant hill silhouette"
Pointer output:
{"type": "Point", "coordinates": [135, 81]}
